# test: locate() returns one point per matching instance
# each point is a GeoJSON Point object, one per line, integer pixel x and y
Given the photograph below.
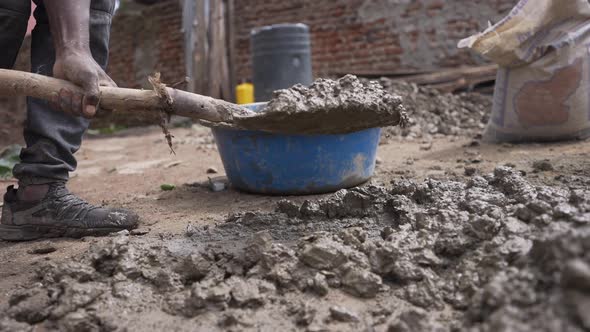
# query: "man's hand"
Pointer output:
{"type": "Point", "coordinates": [69, 23]}
{"type": "Point", "coordinates": [79, 68]}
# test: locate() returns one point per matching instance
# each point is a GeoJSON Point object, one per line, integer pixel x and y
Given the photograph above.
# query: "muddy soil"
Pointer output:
{"type": "Point", "coordinates": [450, 235]}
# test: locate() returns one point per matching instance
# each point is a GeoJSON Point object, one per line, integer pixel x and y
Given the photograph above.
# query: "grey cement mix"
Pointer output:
{"type": "Point", "coordinates": [493, 253]}
{"type": "Point", "coordinates": [432, 113]}
{"type": "Point", "coordinates": [326, 107]}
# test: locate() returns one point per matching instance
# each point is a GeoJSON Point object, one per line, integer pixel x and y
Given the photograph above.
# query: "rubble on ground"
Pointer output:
{"type": "Point", "coordinates": [433, 113]}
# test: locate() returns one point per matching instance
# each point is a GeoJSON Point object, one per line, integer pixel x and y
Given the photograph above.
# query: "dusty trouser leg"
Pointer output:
{"type": "Point", "coordinates": [53, 137]}
{"type": "Point", "coordinates": [42, 206]}
{"type": "Point", "coordinates": [14, 15]}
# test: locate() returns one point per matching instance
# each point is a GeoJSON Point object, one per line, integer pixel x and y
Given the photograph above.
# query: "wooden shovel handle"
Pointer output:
{"type": "Point", "coordinates": [18, 83]}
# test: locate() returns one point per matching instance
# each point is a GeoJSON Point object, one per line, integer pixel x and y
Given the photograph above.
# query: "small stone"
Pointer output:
{"type": "Point", "coordinates": [474, 143]}
{"type": "Point", "coordinates": [542, 165]}
{"type": "Point", "coordinates": [259, 244]}
{"type": "Point", "coordinates": [378, 161]}
{"type": "Point", "coordinates": [426, 146]}
{"type": "Point", "coordinates": [125, 290]}
{"type": "Point", "coordinates": [235, 318]}
{"type": "Point", "coordinates": [219, 183]}
{"type": "Point", "coordinates": [194, 268]}
{"type": "Point", "coordinates": [190, 230]}
{"type": "Point", "coordinates": [246, 293]}
{"type": "Point", "coordinates": [361, 283]}
{"type": "Point", "coordinates": [470, 171]}
{"type": "Point", "coordinates": [304, 315]}
{"type": "Point", "coordinates": [515, 226]}
{"type": "Point", "coordinates": [79, 320]}
{"type": "Point", "coordinates": [217, 186]}
{"type": "Point", "coordinates": [524, 213]}
{"type": "Point", "coordinates": [173, 164]}
{"type": "Point", "coordinates": [212, 170]}
{"type": "Point", "coordinates": [582, 218]}
{"type": "Point", "coordinates": [324, 254]}
{"type": "Point", "coordinates": [42, 249]}
{"type": "Point", "coordinates": [139, 231]}
{"type": "Point", "coordinates": [386, 232]}
{"type": "Point", "coordinates": [342, 314]}
{"type": "Point", "coordinates": [539, 206]}
{"type": "Point", "coordinates": [564, 210]}
{"type": "Point", "coordinates": [542, 220]}
{"type": "Point", "coordinates": [120, 233]}
{"type": "Point", "coordinates": [320, 285]}
{"type": "Point", "coordinates": [353, 237]}
{"type": "Point", "coordinates": [288, 207]}
{"type": "Point", "coordinates": [515, 247]}
{"type": "Point", "coordinates": [415, 320]}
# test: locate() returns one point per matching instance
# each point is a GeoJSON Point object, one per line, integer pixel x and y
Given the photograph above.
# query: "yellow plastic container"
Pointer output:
{"type": "Point", "coordinates": [245, 93]}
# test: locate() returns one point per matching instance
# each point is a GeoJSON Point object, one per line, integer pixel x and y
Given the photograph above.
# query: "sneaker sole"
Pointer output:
{"type": "Point", "coordinates": [34, 232]}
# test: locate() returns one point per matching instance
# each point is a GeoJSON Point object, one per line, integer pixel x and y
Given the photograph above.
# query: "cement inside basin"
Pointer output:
{"type": "Point", "coordinates": [326, 107]}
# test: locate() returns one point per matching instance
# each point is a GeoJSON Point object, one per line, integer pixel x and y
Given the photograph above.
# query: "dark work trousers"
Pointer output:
{"type": "Point", "coordinates": [52, 137]}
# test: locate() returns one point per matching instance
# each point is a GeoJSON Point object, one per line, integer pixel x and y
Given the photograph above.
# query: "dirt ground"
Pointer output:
{"type": "Point", "coordinates": [445, 237]}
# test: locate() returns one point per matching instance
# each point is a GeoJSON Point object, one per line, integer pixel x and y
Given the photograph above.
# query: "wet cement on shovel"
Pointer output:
{"type": "Point", "coordinates": [326, 107]}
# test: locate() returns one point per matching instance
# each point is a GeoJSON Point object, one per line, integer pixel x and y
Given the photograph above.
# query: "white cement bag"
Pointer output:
{"type": "Point", "coordinates": [543, 86]}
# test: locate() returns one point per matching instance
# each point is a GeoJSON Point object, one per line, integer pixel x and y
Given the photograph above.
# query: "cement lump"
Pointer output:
{"type": "Point", "coordinates": [328, 107]}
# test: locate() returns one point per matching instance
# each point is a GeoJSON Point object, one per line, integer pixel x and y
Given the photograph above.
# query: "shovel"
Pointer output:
{"type": "Point", "coordinates": [208, 111]}
{"type": "Point", "coordinates": [178, 102]}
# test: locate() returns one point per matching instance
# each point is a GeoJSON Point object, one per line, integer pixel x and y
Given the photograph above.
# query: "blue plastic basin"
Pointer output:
{"type": "Point", "coordinates": [266, 163]}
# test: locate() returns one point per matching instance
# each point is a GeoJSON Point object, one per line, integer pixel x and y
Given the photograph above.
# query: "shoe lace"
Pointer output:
{"type": "Point", "coordinates": [66, 203]}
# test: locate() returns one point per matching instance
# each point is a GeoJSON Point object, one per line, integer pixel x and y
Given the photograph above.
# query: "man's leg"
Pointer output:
{"type": "Point", "coordinates": [42, 206]}
{"type": "Point", "coordinates": [52, 136]}
{"type": "Point", "coordinates": [14, 16]}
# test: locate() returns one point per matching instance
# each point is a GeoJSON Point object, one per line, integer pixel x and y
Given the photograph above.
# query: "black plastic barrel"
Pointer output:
{"type": "Point", "coordinates": [281, 58]}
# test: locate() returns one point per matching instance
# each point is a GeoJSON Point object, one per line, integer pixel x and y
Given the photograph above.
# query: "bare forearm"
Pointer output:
{"type": "Point", "coordinates": [69, 22]}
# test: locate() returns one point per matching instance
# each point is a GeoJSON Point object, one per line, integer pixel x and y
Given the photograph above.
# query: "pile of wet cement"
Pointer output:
{"type": "Point", "coordinates": [432, 113]}
{"type": "Point", "coordinates": [495, 253]}
{"type": "Point", "coordinates": [327, 107]}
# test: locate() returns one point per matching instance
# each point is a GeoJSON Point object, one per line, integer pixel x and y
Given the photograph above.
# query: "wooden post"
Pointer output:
{"type": "Point", "coordinates": [224, 69]}
{"type": "Point", "coordinates": [189, 31]}
{"type": "Point", "coordinates": [200, 57]}
{"type": "Point", "coordinates": [218, 65]}
{"type": "Point", "coordinates": [214, 56]}
{"type": "Point", "coordinates": [231, 46]}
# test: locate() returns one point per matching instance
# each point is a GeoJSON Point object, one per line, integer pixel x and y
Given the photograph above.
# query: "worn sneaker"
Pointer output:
{"type": "Point", "coordinates": [59, 214]}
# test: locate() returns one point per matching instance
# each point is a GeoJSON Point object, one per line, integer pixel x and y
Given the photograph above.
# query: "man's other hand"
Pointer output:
{"type": "Point", "coordinates": [79, 68]}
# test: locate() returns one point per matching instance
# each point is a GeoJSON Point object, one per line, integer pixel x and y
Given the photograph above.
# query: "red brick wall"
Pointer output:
{"type": "Point", "coordinates": [146, 39]}
{"type": "Point", "coordinates": [348, 36]}
{"type": "Point", "coordinates": [373, 36]}
{"type": "Point", "coordinates": [356, 36]}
